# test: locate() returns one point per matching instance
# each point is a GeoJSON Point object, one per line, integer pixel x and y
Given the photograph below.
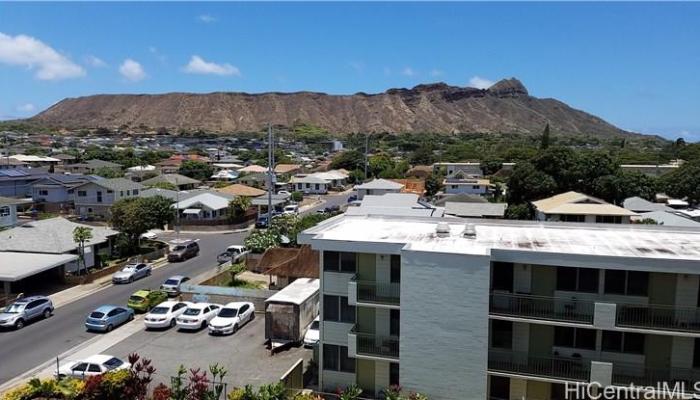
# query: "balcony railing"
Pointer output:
{"type": "Point", "coordinates": [672, 318]}
{"type": "Point", "coordinates": [370, 344]}
{"type": "Point", "coordinates": [567, 369]}
{"type": "Point", "coordinates": [378, 293]}
{"type": "Point", "coordinates": [540, 307]}
{"type": "Point", "coordinates": [625, 374]}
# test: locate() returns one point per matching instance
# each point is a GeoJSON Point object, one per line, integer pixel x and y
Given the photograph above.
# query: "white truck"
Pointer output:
{"type": "Point", "coordinates": [290, 311]}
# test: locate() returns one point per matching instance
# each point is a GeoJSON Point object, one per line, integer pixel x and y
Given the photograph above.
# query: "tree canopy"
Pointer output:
{"type": "Point", "coordinates": [135, 216]}
{"type": "Point", "coordinates": [196, 170]}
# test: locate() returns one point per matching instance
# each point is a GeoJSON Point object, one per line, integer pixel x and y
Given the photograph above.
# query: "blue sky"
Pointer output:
{"type": "Point", "coordinates": [636, 65]}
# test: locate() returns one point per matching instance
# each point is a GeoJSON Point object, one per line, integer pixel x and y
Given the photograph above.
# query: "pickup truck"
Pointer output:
{"type": "Point", "coordinates": [233, 254]}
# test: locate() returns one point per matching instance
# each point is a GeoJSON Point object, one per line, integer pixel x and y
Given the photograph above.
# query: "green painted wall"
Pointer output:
{"type": "Point", "coordinates": [544, 280]}
{"type": "Point", "coordinates": [365, 374]}
{"type": "Point", "coordinates": [366, 319]}
{"type": "Point", "coordinates": [366, 266]}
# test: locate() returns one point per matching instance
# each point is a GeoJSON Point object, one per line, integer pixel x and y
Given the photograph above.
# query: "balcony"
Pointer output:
{"type": "Point", "coordinates": [624, 374]}
{"type": "Point", "coordinates": [668, 318]}
{"type": "Point", "coordinates": [523, 364]}
{"type": "Point", "coordinates": [542, 308]}
{"type": "Point", "coordinates": [374, 293]}
{"type": "Point", "coordinates": [373, 346]}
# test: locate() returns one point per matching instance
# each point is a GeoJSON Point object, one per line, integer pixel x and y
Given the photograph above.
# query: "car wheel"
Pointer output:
{"type": "Point", "coordinates": [131, 279]}
{"type": "Point", "coordinates": [204, 324]}
{"type": "Point", "coordinates": [235, 328]}
{"type": "Point", "coordinates": [131, 317]}
{"type": "Point", "coordinates": [172, 322]}
{"type": "Point", "coordinates": [47, 313]}
{"type": "Point", "coordinates": [19, 324]}
{"type": "Point", "coordinates": [252, 316]}
{"type": "Point", "coordinates": [109, 328]}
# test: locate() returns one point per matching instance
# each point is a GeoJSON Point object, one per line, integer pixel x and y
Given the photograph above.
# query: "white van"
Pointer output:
{"type": "Point", "coordinates": [291, 209]}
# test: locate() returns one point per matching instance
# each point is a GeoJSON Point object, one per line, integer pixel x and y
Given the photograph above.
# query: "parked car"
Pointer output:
{"type": "Point", "coordinates": [26, 309]}
{"type": "Point", "coordinates": [332, 209]}
{"type": "Point", "coordinates": [144, 300]}
{"type": "Point", "coordinates": [233, 254]}
{"type": "Point", "coordinates": [150, 235]}
{"type": "Point", "coordinates": [165, 314]}
{"type": "Point", "coordinates": [231, 317]}
{"type": "Point", "coordinates": [91, 366]}
{"type": "Point", "coordinates": [291, 209]}
{"type": "Point", "coordinates": [352, 198]}
{"type": "Point", "coordinates": [106, 318]}
{"type": "Point", "coordinates": [197, 316]}
{"type": "Point", "coordinates": [132, 272]}
{"type": "Point", "coordinates": [285, 192]}
{"type": "Point", "coordinates": [312, 333]}
{"type": "Point", "coordinates": [183, 251]}
{"type": "Point", "coordinates": [261, 222]}
{"type": "Point", "coordinates": [172, 285]}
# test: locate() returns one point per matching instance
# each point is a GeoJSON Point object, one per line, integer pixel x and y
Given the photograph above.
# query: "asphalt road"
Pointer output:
{"type": "Point", "coordinates": [38, 342]}
{"type": "Point", "coordinates": [331, 200]}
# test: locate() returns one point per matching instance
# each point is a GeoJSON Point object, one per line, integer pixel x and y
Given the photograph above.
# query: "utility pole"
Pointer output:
{"type": "Point", "coordinates": [177, 211]}
{"type": "Point", "coordinates": [366, 153]}
{"type": "Point", "coordinates": [270, 173]}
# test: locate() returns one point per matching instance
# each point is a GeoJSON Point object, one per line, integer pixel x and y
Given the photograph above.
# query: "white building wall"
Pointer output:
{"type": "Point", "coordinates": [458, 315]}
{"type": "Point", "coordinates": [336, 332]}
{"type": "Point", "coordinates": [8, 215]}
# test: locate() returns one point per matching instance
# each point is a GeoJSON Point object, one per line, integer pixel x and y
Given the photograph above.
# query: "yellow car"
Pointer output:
{"type": "Point", "coordinates": [144, 300]}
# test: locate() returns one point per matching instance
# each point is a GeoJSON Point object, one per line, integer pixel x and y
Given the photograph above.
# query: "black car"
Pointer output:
{"type": "Point", "coordinates": [183, 251]}
{"type": "Point", "coordinates": [332, 209]}
{"type": "Point", "coordinates": [261, 223]}
{"type": "Point", "coordinates": [352, 198]}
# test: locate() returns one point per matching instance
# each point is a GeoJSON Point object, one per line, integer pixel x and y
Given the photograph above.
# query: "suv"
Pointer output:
{"type": "Point", "coordinates": [183, 251]}
{"type": "Point", "coordinates": [171, 286]}
{"type": "Point", "coordinates": [233, 254]}
{"type": "Point", "coordinates": [23, 310]}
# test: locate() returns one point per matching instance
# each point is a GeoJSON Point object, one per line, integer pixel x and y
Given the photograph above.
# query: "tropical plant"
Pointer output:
{"type": "Point", "coordinates": [351, 392]}
{"type": "Point", "coordinates": [82, 234]}
{"type": "Point", "coordinates": [238, 207]}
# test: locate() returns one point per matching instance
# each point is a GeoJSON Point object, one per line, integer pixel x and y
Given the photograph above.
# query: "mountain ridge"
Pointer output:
{"type": "Point", "coordinates": [505, 107]}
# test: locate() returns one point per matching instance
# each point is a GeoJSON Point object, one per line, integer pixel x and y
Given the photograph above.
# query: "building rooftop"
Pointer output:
{"type": "Point", "coordinates": [15, 266]}
{"type": "Point", "coordinates": [380, 184]}
{"type": "Point", "coordinates": [670, 218]}
{"type": "Point", "coordinates": [214, 201]}
{"type": "Point", "coordinates": [578, 204]}
{"type": "Point", "coordinates": [117, 184]}
{"type": "Point", "coordinates": [238, 189]}
{"type": "Point", "coordinates": [53, 235]}
{"type": "Point", "coordinates": [175, 179]}
{"type": "Point", "coordinates": [475, 210]}
{"type": "Point", "coordinates": [397, 204]}
{"type": "Point", "coordinates": [642, 241]}
{"type": "Point", "coordinates": [638, 204]}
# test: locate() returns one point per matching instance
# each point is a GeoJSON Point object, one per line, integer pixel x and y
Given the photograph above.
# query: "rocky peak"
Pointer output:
{"type": "Point", "coordinates": [508, 88]}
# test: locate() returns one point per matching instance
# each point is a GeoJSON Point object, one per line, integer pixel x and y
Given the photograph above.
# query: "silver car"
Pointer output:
{"type": "Point", "coordinates": [17, 314]}
{"type": "Point", "coordinates": [132, 272]}
{"type": "Point", "coordinates": [172, 284]}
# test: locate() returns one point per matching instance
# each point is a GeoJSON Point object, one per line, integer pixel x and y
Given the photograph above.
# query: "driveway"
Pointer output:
{"type": "Point", "coordinates": [243, 354]}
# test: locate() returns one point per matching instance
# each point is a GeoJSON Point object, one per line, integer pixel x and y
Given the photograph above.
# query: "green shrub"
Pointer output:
{"type": "Point", "coordinates": [297, 196]}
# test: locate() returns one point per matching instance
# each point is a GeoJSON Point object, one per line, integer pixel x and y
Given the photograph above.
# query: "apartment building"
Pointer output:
{"type": "Point", "coordinates": [477, 309]}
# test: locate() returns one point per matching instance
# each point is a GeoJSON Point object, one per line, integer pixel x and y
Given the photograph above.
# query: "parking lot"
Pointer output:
{"type": "Point", "coordinates": [243, 354]}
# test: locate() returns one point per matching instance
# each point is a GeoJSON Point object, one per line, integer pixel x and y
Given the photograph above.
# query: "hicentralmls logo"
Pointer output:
{"type": "Point", "coordinates": [662, 390]}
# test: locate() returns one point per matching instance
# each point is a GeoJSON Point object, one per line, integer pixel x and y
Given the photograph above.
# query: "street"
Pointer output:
{"type": "Point", "coordinates": [40, 341]}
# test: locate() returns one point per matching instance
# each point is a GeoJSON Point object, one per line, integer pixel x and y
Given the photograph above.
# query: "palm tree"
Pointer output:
{"type": "Point", "coordinates": [82, 234]}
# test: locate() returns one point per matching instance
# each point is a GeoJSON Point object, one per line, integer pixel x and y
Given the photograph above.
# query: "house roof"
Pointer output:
{"type": "Point", "coordinates": [33, 158]}
{"type": "Point", "coordinates": [569, 197]}
{"type": "Point", "coordinates": [53, 235]}
{"type": "Point", "coordinates": [286, 168]}
{"type": "Point", "coordinates": [95, 163]}
{"type": "Point", "coordinates": [460, 198]}
{"type": "Point", "coordinates": [579, 204]}
{"type": "Point", "coordinates": [380, 184]}
{"type": "Point", "coordinates": [639, 204]}
{"type": "Point", "coordinates": [65, 180]}
{"type": "Point", "coordinates": [61, 156]}
{"type": "Point", "coordinates": [238, 189]}
{"type": "Point", "coordinates": [253, 168]}
{"type": "Point", "coordinates": [117, 184]}
{"type": "Point", "coordinates": [175, 179]}
{"type": "Point", "coordinates": [15, 266]}
{"type": "Point", "coordinates": [213, 201]}
{"type": "Point", "coordinates": [6, 201]}
{"type": "Point", "coordinates": [466, 181]}
{"type": "Point", "coordinates": [476, 210]}
{"type": "Point", "coordinates": [669, 219]}
{"type": "Point", "coordinates": [398, 204]}
{"type": "Point", "coordinates": [309, 179]}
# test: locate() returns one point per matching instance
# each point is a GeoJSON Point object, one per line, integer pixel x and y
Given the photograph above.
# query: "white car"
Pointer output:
{"type": "Point", "coordinates": [197, 316]}
{"type": "Point", "coordinates": [150, 235]}
{"type": "Point", "coordinates": [93, 365]}
{"type": "Point", "coordinates": [312, 334]}
{"type": "Point", "coordinates": [132, 272]}
{"type": "Point", "coordinates": [165, 314]}
{"type": "Point", "coordinates": [232, 317]}
{"type": "Point", "coordinates": [291, 209]}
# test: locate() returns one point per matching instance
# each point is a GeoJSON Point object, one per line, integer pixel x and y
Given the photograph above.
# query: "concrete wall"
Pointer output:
{"type": "Point", "coordinates": [444, 338]}
{"type": "Point", "coordinates": [333, 380]}
{"type": "Point", "coordinates": [10, 219]}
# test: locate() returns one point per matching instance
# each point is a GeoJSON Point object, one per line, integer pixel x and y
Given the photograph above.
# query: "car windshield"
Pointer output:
{"type": "Point", "coordinates": [228, 312]}
{"type": "Point", "coordinates": [97, 315]}
{"type": "Point", "coordinates": [15, 308]}
{"type": "Point", "coordinates": [113, 363]}
{"type": "Point", "coordinates": [129, 268]}
{"type": "Point", "coordinates": [179, 247]}
{"type": "Point", "coordinates": [136, 299]}
{"type": "Point", "coordinates": [193, 311]}
{"type": "Point", "coordinates": [314, 325]}
{"type": "Point", "coordinates": [171, 282]}
{"type": "Point", "coordinates": [160, 310]}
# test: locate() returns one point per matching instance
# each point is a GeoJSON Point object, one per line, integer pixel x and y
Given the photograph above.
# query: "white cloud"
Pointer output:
{"type": "Point", "coordinates": [480, 83]}
{"type": "Point", "coordinates": [132, 70]}
{"type": "Point", "coordinates": [436, 72]}
{"type": "Point", "coordinates": [198, 65]}
{"type": "Point", "coordinates": [26, 108]}
{"type": "Point", "coordinates": [206, 18]}
{"type": "Point", "coordinates": [408, 71]}
{"type": "Point", "coordinates": [94, 61]}
{"type": "Point", "coordinates": [358, 66]}
{"type": "Point", "coordinates": [23, 50]}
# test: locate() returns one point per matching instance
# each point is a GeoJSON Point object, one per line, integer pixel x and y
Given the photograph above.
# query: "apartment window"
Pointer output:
{"type": "Point", "coordinates": [136, 192]}
{"type": "Point", "coordinates": [623, 342]}
{"type": "Point", "coordinates": [395, 273]}
{"type": "Point", "coordinates": [577, 338]}
{"type": "Point", "coordinates": [4, 211]}
{"type": "Point", "coordinates": [71, 191]}
{"type": "Point", "coordinates": [337, 309]}
{"type": "Point", "coordinates": [393, 374]}
{"type": "Point", "coordinates": [454, 186]}
{"type": "Point", "coordinates": [499, 387]}
{"type": "Point", "coordinates": [577, 279]}
{"type": "Point", "coordinates": [608, 219]}
{"type": "Point", "coordinates": [502, 278]}
{"type": "Point", "coordinates": [121, 193]}
{"type": "Point", "coordinates": [331, 261]}
{"type": "Point", "coordinates": [99, 196]}
{"type": "Point", "coordinates": [335, 358]}
{"type": "Point", "coordinates": [394, 322]}
{"type": "Point", "coordinates": [696, 354]}
{"type": "Point", "coordinates": [348, 262]}
{"type": "Point", "coordinates": [572, 218]}
{"type": "Point", "coordinates": [317, 186]}
{"type": "Point", "coordinates": [82, 193]}
{"type": "Point", "coordinates": [501, 334]}
{"type": "Point", "coordinates": [110, 191]}
{"type": "Point", "coordinates": [43, 192]}
{"type": "Point", "coordinates": [308, 185]}
{"type": "Point", "coordinates": [630, 283]}
{"type": "Point", "coordinates": [128, 192]}
{"type": "Point", "coordinates": [475, 187]}
{"type": "Point", "coordinates": [339, 261]}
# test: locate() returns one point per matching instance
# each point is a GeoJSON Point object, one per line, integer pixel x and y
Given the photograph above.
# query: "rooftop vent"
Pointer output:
{"type": "Point", "coordinates": [442, 229]}
{"type": "Point", "coordinates": [469, 231]}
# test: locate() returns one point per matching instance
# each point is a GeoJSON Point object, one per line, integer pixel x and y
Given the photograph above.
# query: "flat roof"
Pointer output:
{"type": "Point", "coordinates": [15, 265]}
{"type": "Point", "coordinates": [296, 292]}
{"type": "Point", "coordinates": [642, 241]}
